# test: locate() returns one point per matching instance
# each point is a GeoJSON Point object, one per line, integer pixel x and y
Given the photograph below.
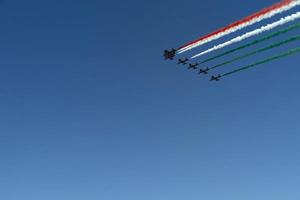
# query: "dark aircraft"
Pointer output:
{"type": "Point", "coordinates": [169, 54]}
{"type": "Point", "coordinates": [184, 62]}
{"type": "Point", "coordinates": [215, 78]}
{"type": "Point", "coordinates": [204, 71]}
{"type": "Point", "coordinates": [193, 66]}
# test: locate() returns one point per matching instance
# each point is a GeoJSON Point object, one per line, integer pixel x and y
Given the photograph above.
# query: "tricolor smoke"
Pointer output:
{"type": "Point", "coordinates": [288, 53]}
{"type": "Point", "coordinates": [258, 31]}
{"type": "Point", "coordinates": [260, 40]}
{"type": "Point", "coordinates": [255, 18]}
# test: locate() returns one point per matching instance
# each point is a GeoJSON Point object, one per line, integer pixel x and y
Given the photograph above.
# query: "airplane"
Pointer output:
{"type": "Point", "coordinates": [215, 78]}
{"type": "Point", "coordinates": [193, 66]}
{"type": "Point", "coordinates": [169, 54]}
{"type": "Point", "coordinates": [204, 71]}
{"type": "Point", "coordinates": [184, 62]}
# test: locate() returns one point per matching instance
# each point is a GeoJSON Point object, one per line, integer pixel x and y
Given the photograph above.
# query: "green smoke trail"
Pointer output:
{"type": "Point", "coordinates": [292, 39]}
{"type": "Point", "coordinates": [268, 37]}
{"type": "Point", "coordinates": [288, 53]}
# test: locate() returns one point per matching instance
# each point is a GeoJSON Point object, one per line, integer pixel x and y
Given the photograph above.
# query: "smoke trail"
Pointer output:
{"type": "Point", "coordinates": [258, 31]}
{"type": "Point", "coordinates": [257, 17]}
{"type": "Point", "coordinates": [292, 39]}
{"type": "Point", "coordinates": [283, 6]}
{"type": "Point", "coordinates": [268, 37]}
{"type": "Point", "coordinates": [288, 53]}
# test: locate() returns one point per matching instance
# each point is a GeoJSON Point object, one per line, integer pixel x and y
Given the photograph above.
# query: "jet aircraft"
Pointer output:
{"type": "Point", "coordinates": [184, 62]}
{"type": "Point", "coordinates": [204, 71]}
{"type": "Point", "coordinates": [169, 54]}
{"type": "Point", "coordinates": [215, 78]}
{"type": "Point", "coordinates": [193, 66]}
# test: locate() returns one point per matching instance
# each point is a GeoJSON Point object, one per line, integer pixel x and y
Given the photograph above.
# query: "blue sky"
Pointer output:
{"type": "Point", "coordinates": [90, 110]}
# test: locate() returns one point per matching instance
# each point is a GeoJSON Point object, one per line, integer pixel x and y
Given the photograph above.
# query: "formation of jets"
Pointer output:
{"type": "Point", "coordinates": [170, 54]}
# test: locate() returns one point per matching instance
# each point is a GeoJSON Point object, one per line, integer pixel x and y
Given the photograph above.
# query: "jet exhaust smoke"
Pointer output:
{"type": "Point", "coordinates": [283, 6]}
{"type": "Point", "coordinates": [288, 53]}
{"type": "Point", "coordinates": [268, 37]}
{"type": "Point", "coordinates": [258, 31]}
{"type": "Point", "coordinates": [272, 46]}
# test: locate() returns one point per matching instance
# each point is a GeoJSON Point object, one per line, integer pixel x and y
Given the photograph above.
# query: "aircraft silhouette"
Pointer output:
{"type": "Point", "coordinates": [193, 66]}
{"type": "Point", "coordinates": [215, 78]}
{"type": "Point", "coordinates": [204, 71]}
{"type": "Point", "coordinates": [184, 62]}
{"type": "Point", "coordinates": [169, 54]}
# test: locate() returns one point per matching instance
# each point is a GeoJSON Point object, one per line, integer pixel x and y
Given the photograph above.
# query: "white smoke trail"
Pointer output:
{"type": "Point", "coordinates": [241, 26]}
{"type": "Point", "coordinates": [268, 27]}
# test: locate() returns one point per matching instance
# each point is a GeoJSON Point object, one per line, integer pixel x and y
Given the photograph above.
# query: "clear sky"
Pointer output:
{"type": "Point", "coordinates": [89, 110]}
